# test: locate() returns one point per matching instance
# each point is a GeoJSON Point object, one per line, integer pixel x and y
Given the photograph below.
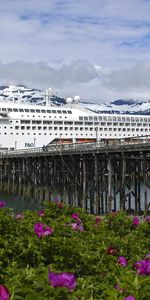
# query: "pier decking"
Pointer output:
{"type": "Point", "coordinates": [96, 176]}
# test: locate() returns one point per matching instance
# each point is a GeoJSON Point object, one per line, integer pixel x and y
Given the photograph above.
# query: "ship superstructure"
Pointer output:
{"type": "Point", "coordinates": [24, 126]}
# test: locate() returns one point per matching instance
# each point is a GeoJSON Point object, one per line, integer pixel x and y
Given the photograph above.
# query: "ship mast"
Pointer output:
{"type": "Point", "coordinates": [48, 95]}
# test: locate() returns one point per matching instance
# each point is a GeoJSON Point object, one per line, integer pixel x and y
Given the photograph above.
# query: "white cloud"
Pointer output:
{"type": "Point", "coordinates": [81, 77]}
{"type": "Point", "coordinates": [100, 48]}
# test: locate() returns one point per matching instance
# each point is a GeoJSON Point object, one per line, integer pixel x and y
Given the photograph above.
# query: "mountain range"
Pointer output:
{"type": "Point", "coordinates": [24, 94]}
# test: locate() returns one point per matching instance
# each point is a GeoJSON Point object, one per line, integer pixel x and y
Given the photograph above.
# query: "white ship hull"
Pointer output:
{"type": "Point", "coordinates": [25, 126]}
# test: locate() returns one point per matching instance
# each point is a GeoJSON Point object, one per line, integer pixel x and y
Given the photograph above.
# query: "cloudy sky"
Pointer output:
{"type": "Point", "coordinates": [98, 49]}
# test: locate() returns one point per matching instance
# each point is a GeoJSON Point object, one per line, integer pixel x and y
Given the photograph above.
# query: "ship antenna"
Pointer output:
{"type": "Point", "coordinates": [48, 95]}
{"type": "Point", "coordinates": [19, 97]}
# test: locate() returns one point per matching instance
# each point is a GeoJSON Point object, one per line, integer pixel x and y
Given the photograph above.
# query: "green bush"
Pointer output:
{"type": "Point", "coordinates": [90, 251]}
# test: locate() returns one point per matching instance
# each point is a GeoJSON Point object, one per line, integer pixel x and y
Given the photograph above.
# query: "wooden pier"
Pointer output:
{"type": "Point", "coordinates": [95, 176]}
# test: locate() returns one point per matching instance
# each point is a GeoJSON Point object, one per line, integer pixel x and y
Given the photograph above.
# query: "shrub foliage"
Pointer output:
{"type": "Point", "coordinates": [105, 257]}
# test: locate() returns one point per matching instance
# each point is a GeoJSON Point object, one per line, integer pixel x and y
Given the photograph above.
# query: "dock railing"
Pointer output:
{"type": "Point", "coordinates": [98, 146]}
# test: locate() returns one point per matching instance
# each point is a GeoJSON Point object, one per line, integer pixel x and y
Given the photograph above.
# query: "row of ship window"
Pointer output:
{"type": "Point", "coordinates": [28, 133]}
{"type": "Point", "coordinates": [74, 128]}
{"type": "Point", "coordinates": [85, 118]}
{"type": "Point", "coordinates": [81, 123]}
{"type": "Point", "coordinates": [116, 118]}
{"type": "Point", "coordinates": [76, 134]}
{"type": "Point", "coordinates": [35, 110]}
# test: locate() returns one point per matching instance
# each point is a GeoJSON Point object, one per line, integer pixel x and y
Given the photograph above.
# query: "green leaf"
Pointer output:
{"type": "Point", "coordinates": [136, 282]}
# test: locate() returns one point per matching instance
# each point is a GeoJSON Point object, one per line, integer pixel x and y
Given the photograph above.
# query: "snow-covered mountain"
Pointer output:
{"type": "Point", "coordinates": [30, 95]}
{"type": "Point", "coordinates": [122, 107]}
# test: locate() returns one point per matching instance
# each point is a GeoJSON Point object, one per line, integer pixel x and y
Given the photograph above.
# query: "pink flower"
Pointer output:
{"type": "Point", "coordinates": [77, 226]}
{"type": "Point", "coordinates": [76, 217]}
{"type": "Point", "coordinates": [136, 221]}
{"type": "Point", "coordinates": [143, 267]}
{"type": "Point", "coordinates": [41, 213]}
{"type": "Point", "coordinates": [67, 280]}
{"type": "Point", "coordinates": [2, 204]}
{"type": "Point", "coordinates": [60, 205]}
{"type": "Point", "coordinates": [97, 220]}
{"type": "Point", "coordinates": [42, 230]}
{"type": "Point", "coordinates": [130, 297]}
{"type": "Point", "coordinates": [122, 261]}
{"type": "Point", "coordinates": [112, 250]}
{"type": "Point", "coordinates": [147, 219]}
{"type": "Point", "coordinates": [19, 216]}
{"type": "Point", "coordinates": [4, 293]}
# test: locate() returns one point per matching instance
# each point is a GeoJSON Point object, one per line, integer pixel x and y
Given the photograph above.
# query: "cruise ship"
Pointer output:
{"type": "Point", "coordinates": [26, 126]}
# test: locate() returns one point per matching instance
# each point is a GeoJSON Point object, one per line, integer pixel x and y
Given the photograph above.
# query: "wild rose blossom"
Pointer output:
{"type": "Point", "coordinates": [136, 221]}
{"type": "Point", "coordinates": [59, 204]}
{"type": "Point", "coordinates": [122, 261]}
{"type": "Point", "coordinates": [76, 217]}
{"type": "Point", "coordinates": [42, 230]}
{"type": "Point", "coordinates": [67, 280]}
{"type": "Point", "coordinates": [112, 250]}
{"type": "Point", "coordinates": [41, 213]}
{"type": "Point", "coordinates": [2, 204]}
{"type": "Point", "coordinates": [147, 219]}
{"type": "Point", "coordinates": [19, 216]}
{"type": "Point", "coordinates": [142, 267]}
{"type": "Point", "coordinates": [130, 297]}
{"type": "Point", "coordinates": [97, 220]}
{"type": "Point", "coordinates": [4, 293]}
{"type": "Point", "coordinates": [77, 226]}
